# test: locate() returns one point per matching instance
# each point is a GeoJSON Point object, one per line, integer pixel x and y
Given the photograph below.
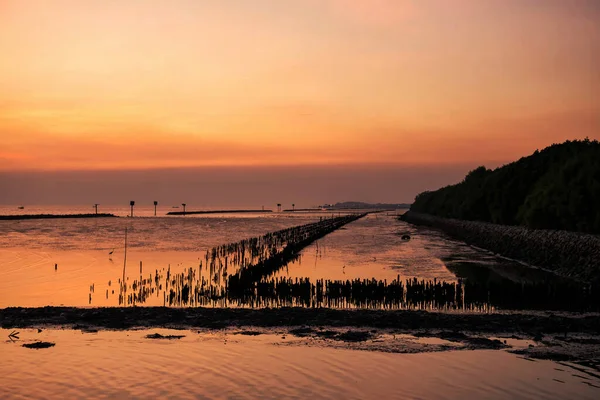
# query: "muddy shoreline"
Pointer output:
{"type": "Point", "coordinates": [569, 254]}
{"type": "Point", "coordinates": [558, 337]}
{"type": "Point", "coordinates": [219, 318]}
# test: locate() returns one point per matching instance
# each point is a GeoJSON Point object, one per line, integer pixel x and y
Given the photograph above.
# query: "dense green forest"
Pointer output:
{"type": "Point", "coordinates": [555, 188]}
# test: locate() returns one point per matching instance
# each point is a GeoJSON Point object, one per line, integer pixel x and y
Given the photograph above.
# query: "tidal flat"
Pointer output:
{"type": "Point", "coordinates": [327, 305]}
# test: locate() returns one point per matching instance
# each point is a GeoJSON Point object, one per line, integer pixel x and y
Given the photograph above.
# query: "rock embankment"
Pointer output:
{"type": "Point", "coordinates": [571, 254]}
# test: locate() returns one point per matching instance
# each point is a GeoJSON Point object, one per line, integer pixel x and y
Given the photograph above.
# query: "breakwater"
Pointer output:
{"type": "Point", "coordinates": [570, 254]}
{"type": "Point", "coordinates": [53, 216]}
{"type": "Point", "coordinates": [217, 212]}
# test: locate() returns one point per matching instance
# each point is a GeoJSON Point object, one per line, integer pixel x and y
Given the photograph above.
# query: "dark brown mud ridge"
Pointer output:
{"type": "Point", "coordinates": [218, 212]}
{"type": "Point", "coordinates": [219, 318]}
{"type": "Point", "coordinates": [53, 216]}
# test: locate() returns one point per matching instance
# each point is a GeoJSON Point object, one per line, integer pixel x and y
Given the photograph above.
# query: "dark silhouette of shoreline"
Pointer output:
{"type": "Point", "coordinates": [573, 255]}
{"type": "Point", "coordinates": [53, 216]}
{"type": "Point", "coordinates": [555, 188]}
{"type": "Point", "coordinates": [359, 205]}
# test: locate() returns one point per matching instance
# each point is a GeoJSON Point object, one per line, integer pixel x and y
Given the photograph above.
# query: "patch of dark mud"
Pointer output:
{"type": "Point", "coordinates": [327, 334]}
{"type": "Point", "coordinates": [354, 336]}
{"type": "Point", "coordinates": [585, 355]}
{"type": "Point", "coordinates": [85, 328]}
{"type": "Point", "coordinates": [471, 342]}
{"type": "Point", "coordinates": [39, 345]}
{"type": "Point", "coordinates": [343, 336]}
{"type": "Point", "coordinates": [159, 336]}
{"type": "Point", "coordinates": [485, 343]}
{"type": "Point", "coordinates": [221, 318]}
{"type": "Point", "coordinates": [302, 332]}
{"type": "Point", "coordinates": [545, 355]}
{"type": "Point", "coordinates": [248, 333]}
{"type": "Point", "coordinates": [593, 341]}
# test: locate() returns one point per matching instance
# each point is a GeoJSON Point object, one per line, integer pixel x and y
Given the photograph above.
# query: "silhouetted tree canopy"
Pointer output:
{"type": "Point", "coordinates": [556, 188]}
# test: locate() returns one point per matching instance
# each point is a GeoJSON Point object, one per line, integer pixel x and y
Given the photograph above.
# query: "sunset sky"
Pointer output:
{"type": "Point", "coordinates": [152, 84]}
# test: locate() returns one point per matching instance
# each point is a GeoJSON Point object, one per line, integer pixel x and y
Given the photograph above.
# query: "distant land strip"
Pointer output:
{"type": "Point", "coordinates": [329, 210]}
{"type": "Point", "coordinates": [218, 318]}
{"type": "Point", "coordinates": [218, 212]}
{"type": "Point", "coordinates": [303, 209]}
{"type": "Point", "coordinates": [54, 216]}
{"type": "Point", "coordinates": [358, 205]}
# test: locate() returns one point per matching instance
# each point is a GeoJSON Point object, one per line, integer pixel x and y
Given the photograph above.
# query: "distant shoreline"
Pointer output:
{"type": "Point", "coordinates": [218, 212]}
{"type": "Point", "coordinates": [53, 216]}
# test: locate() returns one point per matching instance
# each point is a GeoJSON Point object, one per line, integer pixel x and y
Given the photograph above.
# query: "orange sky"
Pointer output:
{"type": "Point", "coordinates": [112, 84]}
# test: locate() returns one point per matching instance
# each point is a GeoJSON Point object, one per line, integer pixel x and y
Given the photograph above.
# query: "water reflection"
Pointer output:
{"type": "Point", "coordinates": [184, 289]}
{"type": "Point", "coordinates": [245, 274]}
{"type": "Point", "coordinates": [222, 365]}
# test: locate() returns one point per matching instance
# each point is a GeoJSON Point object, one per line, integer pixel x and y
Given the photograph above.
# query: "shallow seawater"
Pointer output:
{"type": "Point", "coordinates": [373, 247]}
{"type": "Point", "coordinates": [87, 275]}
{"type": "Point", "coordinates": [218, 365]}
{"type": "Point", "coordinates": [30, 249]}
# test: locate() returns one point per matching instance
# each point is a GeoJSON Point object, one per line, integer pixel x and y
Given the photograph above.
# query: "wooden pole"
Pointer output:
{"type": "Point", "coordinates": [124, 265]}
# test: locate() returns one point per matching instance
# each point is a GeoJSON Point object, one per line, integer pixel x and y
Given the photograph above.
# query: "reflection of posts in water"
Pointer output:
{"type": "Point", "coordinates": [188, 289]}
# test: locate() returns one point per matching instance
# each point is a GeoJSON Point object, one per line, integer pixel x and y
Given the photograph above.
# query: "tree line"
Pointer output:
{"type": "Point", "coordinates": [555, 188]}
